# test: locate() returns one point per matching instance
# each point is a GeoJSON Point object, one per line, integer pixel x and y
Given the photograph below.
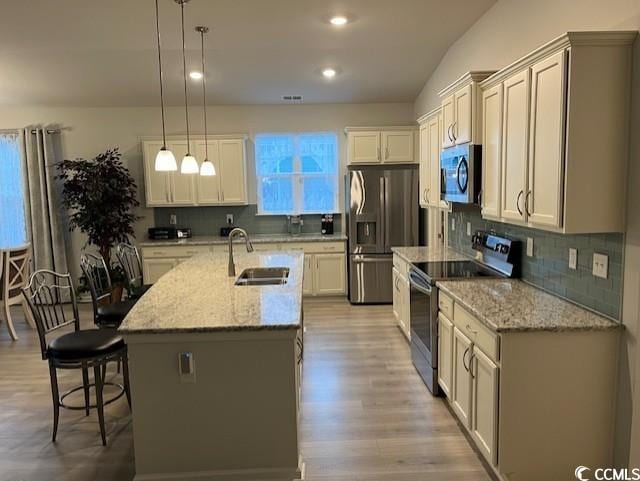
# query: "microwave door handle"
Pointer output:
{"type": "Point", "coordinates": [463, 188]}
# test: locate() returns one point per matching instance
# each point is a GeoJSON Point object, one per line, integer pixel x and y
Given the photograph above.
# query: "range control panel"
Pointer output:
{"type": "Point", "coordinates": [493, 246]}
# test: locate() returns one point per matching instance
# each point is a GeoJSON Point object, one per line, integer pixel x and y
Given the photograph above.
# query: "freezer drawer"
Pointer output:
{"type": "Point", "coordinates": [370, 279]}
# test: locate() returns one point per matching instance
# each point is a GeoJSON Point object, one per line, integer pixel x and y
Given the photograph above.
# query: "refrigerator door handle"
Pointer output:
{"type": "Point", "coordinates": [382, 242]}
{"type": "Point", "coordinates": [386, 214]}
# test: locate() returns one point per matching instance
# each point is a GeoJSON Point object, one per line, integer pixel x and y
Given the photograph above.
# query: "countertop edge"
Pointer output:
{"type": "Point", "coordinates": [196, 330]}
{"type": "Point", "coordinates": [613, 326]}
{"type": "Point", "coordinates": [256, 239]}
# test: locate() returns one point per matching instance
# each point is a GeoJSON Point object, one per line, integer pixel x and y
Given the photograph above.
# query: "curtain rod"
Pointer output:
{"type": "Point", "coordinates": [48, 131]}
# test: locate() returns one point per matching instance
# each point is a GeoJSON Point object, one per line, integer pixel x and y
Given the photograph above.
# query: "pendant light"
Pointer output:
{"type": "Point", "coordinates": [165, 161]}
{"type": "Point", "coordinates": [189, 163]}
{"type": "Point", "coordinates": [206, 168]}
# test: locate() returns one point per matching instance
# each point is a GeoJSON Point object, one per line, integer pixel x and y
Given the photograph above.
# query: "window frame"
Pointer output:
{"type": "Point", "coordinates": [297, 176]}
{"type": "Point", "coordinates": [19, 139]}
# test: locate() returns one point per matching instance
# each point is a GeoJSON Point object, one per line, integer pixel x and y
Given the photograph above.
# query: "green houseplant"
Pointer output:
{"type": "Point", "coordinates": [100, 195]}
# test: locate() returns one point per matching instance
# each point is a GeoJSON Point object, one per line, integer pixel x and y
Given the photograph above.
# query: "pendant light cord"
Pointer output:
{"type": "Point", "coordinates": [204, 97]}
{"type": "Point", "coordinates": [184, 71]}
{"type": "Point", "coordinates": [164, 137]}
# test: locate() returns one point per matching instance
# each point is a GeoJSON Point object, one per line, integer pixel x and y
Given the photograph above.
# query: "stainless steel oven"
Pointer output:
{"type": "Point", "coordinates": [461, 173]}
{"type": "Point", "coordinates": [424, 328]}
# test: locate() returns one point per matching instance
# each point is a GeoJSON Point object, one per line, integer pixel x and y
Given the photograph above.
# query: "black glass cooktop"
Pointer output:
{"type": "Point", "coordinates": [435, 271]}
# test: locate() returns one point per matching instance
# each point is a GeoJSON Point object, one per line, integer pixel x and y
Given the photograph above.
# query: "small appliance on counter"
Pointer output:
{"type": "Point", "coordinates": [165, 233]}
{"type": "Point", "coordinates": [327, 224]}
{"type": "Point", "coordinates": [499, 258]}
{"type": "Point", "coordinates": [294, 224]}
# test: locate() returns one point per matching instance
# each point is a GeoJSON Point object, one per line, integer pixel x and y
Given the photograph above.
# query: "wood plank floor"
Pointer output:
{"type": "Point", "coordinates": [366, 416]}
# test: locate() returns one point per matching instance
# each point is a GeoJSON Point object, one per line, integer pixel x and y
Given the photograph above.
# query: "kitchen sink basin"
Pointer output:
{"type": "Point", "coordinates": [263, 276]}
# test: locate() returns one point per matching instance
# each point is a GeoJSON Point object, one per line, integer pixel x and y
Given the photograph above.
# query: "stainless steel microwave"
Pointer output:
{"type": "Point", "coordinates": [461, 170]}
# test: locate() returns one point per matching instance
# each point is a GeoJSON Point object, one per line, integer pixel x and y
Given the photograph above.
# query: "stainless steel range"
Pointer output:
{"type": "Point", "coordinates": [499, 257]}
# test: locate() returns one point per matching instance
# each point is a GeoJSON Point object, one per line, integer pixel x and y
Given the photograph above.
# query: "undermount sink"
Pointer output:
{"type": "Point", "coordinates": [263, 276]}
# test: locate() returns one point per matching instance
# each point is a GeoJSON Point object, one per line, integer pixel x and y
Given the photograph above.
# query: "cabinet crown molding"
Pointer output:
{"type": "Point", "coordinates": [466, 79]}
{"type": "Point", "coordinates": [423, 118]}
{"type": "Point", "coordinates": [196, 137]}
{"type": "Point", "coordinates": [382, 129]}
{"type": "Point", "coordinates": [566, 40]}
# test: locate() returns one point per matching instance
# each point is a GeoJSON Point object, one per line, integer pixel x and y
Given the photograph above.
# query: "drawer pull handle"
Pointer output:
{"type": "Point", "coordinates": [471, 330]}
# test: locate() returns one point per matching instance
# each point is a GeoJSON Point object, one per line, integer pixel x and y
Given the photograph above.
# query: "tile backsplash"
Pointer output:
{"type": "Point", "coordinates": [208, 220]}
{"type": "Point", "coordinates": [549, 266]}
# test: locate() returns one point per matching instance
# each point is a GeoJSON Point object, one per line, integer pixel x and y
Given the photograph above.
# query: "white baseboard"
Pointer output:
{"type": "Point", "coordinates": [268, 474]}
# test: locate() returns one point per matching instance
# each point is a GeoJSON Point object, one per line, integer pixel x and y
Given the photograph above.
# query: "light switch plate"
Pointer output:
{"type": "Point", "coordinates": [600, 265]}
{"type": "Point", "coordinates": [573, 258]}
{"type": "Point", "coordinates": [173, 219]}
{"type": "Point", "coordinates": [530, 246]}
{"type": "Point", "coordinates": [468, 228]}
{"type": "Point", "coordinates": [229, 218]}
{"type": "Point", "coordinates": [453, 223]}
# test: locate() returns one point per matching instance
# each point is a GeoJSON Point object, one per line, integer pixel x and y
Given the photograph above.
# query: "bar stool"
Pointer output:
{"type": "Point", "coordinates": [129, 258]}
{"type": "Point", "coordinates": [105, 312]}
{"type": "Point", "coordinates": [48, 294]}
{"type": "Point", "coordinates": [14, 275]}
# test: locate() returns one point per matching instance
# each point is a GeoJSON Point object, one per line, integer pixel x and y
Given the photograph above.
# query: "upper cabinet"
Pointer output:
{"type": "Point", "coordinates": [461, 110]}
{"type": "Point", "coordinates": [227, 187]}
{"type": "Point", "coordinates": [430, 147]}
{"type": "Point", "coordinates": [560, 116]}
{"type": "Point", "coordinates": [392, 145]}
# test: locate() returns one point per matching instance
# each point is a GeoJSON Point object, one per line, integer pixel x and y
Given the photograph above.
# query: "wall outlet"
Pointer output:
{"type": "Point", "coordinates": [469, 228]}
{"type": "Point", "coordinates": [230, 219]}
{"type": "Point", "coordinates": [600, 265]}
{"type": "Point", "coordinates": [530, 246]}
{"type": "Point", "coordinates": [453, 223]}
{"type": "Point", "coordinates": [187, 367]}
{"type": "Point", "coordinates": [573, 258]}
{"type": "Point", "coordinates": [173, 219]}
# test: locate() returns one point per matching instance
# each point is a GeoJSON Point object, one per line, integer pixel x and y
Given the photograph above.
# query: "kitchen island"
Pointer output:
{"type": "Point", "coordinates": [215, 372]}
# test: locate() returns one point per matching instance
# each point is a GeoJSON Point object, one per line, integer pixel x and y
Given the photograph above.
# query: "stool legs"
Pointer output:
{"type": "Point", "coordinates": [56, 399]}
{"type": "Point", "coordinates": [97, 373]}
{"type": "Point", "coordinates": [85, 385]}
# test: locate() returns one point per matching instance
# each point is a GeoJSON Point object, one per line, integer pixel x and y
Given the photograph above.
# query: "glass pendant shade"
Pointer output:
{"type": "Point", "coordinates": [189, 165]}
{"type": "Point", "coordinates": [165, 161]}
{"type": "Point", "coordinates": [207, 168]}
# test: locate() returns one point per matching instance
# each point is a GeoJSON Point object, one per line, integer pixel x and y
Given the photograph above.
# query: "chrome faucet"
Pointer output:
{"type": "Point", "coordinates": [242, 233]}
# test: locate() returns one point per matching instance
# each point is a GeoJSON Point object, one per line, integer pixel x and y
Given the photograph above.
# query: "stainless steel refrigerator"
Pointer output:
{"type": "Point", "coordinates": [382, 212]}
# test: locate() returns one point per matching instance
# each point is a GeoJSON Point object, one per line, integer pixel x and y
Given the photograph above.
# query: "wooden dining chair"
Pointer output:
{"type": "Point", "coordinates": [14, 275]}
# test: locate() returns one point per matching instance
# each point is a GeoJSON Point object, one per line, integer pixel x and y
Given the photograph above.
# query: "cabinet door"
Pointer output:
{"type": "Point", "coordinates": [156, 184]}
{"type": "Point", "coordinates": [405, 306]}
{"type": "Point", "coordinates": [364, 147]}
{"type": "Point", "coordinates": [484, 418]}
{"type": "Point", "coordinates": [398, 146]}
{"type": "Point", "coordinates": [544, 198]}
{"type": "Point", "coordinates": [425, 166]}
{"type": "Point", "coordinates": [396, 296]}
{"type": "Point", "coordinates": [154, 269]}
{"type": "Point", "coordinates": [208, 191]}
{"type": "Point", "coordinates": [307, 283]}
{"type": "Point", "coordinates": [233, 184]}
{"type": "Point", "coordinates": [514, 146]}
{"type": "Point", "coordinates": [183, 186]}
{"type": "Point", "coordinates": [445, 354]}
{"type": "Point", "coordinates": [448, 119]}
{"type": "Point", "coordinates": [434, 127]}
{"type": "Point", "coordinates": [491, 151]}
{"type": "Point", "coordinates": [463, 126]}
{"type": "Point", "coordinates": [329, 278]}
{"type": "Point", "coordinates": [461, 392]}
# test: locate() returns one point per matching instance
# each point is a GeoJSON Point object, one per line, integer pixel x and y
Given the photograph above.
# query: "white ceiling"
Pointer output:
{"type": "Point", "coordinates": [103, 53]}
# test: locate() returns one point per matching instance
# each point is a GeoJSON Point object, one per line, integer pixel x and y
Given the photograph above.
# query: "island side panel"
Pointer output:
{"type": "Point", "coordinates": [239, 414]}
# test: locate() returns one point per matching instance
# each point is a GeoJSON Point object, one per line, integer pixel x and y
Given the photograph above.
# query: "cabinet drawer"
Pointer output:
{"type": "Point", "coordinates": [401, 265]}
{"type": "Point", "coordinates": [483, 337]}
{"type": "Point", "coordinates": [445, 304]}
{"type": "Point", "coordinates": [314, 247]}
{"type": "Point", "coordinates": [173, 251]}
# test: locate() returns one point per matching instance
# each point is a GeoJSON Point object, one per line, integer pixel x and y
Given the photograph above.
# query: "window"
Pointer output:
{"type": "Point", "coordinates": [297, 173]}
{"type": "Point", "coordinates": [13, 230]}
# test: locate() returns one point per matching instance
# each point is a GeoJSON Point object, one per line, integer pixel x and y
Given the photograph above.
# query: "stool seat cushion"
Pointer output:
{"type": "Point", "coordinates": [114, 314]}
{"type": "Point", "coordinates": [85, 344]}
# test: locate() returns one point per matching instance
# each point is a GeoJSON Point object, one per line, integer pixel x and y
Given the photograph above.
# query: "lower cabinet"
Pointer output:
{"type": "Point", "coordinates": [328, 274]}
{"type": "Point", "coordinates": [401, 298]}
{"type": "Point", "coordinates": [445, 354]}
{"type": "Point", "coordinates": [484, 404]}
{"type": "Point", "coordinates": [461, 392]}
{"type": "Point", "coordinates": [154, 269]}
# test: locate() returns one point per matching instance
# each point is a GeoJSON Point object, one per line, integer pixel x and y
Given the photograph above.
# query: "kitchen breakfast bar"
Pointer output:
{"type": "Point", "coordinates": [215, 369]}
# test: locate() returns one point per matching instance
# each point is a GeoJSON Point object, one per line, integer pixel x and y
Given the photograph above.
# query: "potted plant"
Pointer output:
{"type": "Point", "coordinates": [100, 195]}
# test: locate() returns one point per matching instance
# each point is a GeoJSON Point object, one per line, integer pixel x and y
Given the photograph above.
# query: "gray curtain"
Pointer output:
{"type": "Point", "coordinates": [46, 218]}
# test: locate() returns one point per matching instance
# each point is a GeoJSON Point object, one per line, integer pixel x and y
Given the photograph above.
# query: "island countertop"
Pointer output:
{"type": "Point", "coordinates": [511, 305]}
{"type": "Point", "coordinates": [255, 238]}
{"type": "Point", "coordinates": [199, 296]}
{"type": "Point", "coordinates": [428, 254]}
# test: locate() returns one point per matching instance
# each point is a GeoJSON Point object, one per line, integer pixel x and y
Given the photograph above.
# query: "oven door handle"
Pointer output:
{"type": "Point", "coordinates": [418, 285]}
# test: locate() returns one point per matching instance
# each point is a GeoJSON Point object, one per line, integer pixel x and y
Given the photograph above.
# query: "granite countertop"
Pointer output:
{"type": "Point", "coordinates": [199, 296]}
{"type": "Point", "coordinates": [428, 254]}
{"type": "Point", "coordinates": [509, 305]}
{"type": "Point", "coordinates": [255, 238]}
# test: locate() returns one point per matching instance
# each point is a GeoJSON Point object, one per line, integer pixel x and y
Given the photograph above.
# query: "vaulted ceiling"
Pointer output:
{"type": "Point", "coordinates": [103, 53]}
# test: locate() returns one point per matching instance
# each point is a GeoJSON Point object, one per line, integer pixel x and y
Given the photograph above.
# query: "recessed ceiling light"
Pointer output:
{"type": "Point", "coordinates": [195, 75]}
{"type": "Point", "coordinates": [329, 72]}
{"type": "Point", "coordinates": [339, 20]}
